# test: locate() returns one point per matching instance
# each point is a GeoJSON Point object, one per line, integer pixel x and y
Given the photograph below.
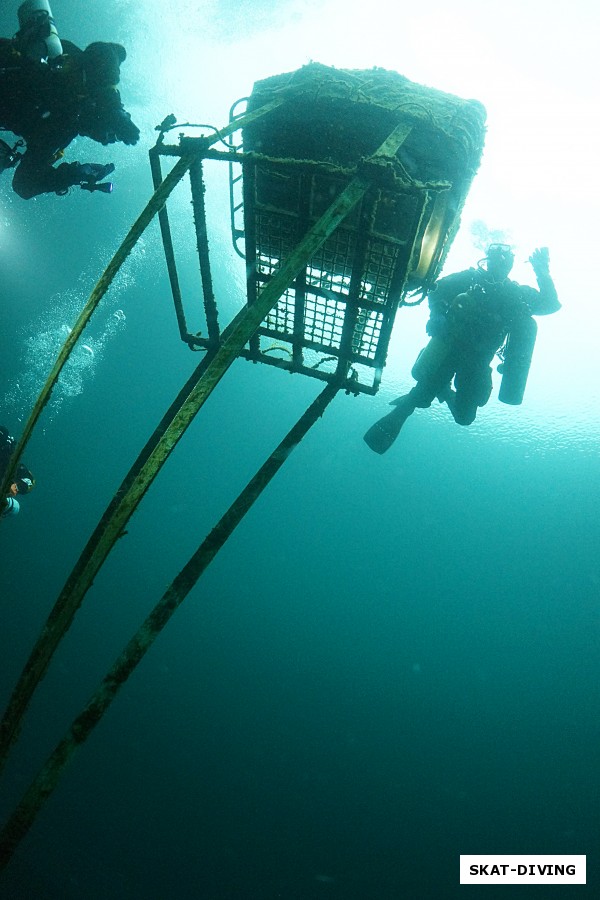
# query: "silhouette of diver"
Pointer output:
{"type": "Point", "coordinates": [23, 481]}
{"type": "Point", "coordinates": [51, 92]}
{"type": "Point", "coordinates": [472, 313]}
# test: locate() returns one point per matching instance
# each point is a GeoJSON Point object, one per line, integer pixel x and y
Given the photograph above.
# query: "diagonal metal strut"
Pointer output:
{"type": "Point", "coordinates": [127, 499]}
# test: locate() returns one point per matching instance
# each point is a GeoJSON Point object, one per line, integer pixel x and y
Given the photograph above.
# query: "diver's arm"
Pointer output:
{"type": "Point", "coordinates": [547, 301]}
{"type": "Point", "coordinates": [115, 121]}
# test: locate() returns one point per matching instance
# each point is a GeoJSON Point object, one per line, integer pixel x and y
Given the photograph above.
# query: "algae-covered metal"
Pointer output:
{"type": "Point", "coordinates": [353, 184]}
{"type": "Point", "coordinates": [300, 157]}
{"type": "Point", "coordinates": [306, 137]}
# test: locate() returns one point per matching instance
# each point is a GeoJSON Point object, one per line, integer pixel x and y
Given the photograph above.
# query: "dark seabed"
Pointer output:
{"type": "Point", "coordinates": [393, 661]}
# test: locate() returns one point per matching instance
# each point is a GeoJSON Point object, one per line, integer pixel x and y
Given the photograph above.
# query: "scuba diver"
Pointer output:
{"type": "Point", "coordinates": [51, 92]}
{"type": "Point", "coordinates": [474, 315]}
{"type": "Point", "coordinates": [23, 481]}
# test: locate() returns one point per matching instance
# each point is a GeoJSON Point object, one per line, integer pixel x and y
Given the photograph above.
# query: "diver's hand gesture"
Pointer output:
{"type": "Point", "coordinates": [126, 130]}
{"type": "Point", "coordinates": [540, 261]}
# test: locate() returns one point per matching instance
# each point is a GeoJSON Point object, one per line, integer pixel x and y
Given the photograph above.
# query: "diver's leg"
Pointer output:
{"type": "Point", "coordinates": [384, 432]}
{"type": "Point", "coordinates": [473, 389]}
{"type": "Point", "coordinates": [36, 175]}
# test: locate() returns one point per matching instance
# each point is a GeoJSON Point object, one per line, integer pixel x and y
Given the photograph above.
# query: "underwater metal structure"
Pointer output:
{"type": "Point", "coordinates": [415, 151]}
{"type": "Point", "coordinates": [350, 193]}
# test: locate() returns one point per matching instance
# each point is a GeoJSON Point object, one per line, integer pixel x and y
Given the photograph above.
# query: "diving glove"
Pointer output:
{"type": "Point", "coordinates": [540, 261]}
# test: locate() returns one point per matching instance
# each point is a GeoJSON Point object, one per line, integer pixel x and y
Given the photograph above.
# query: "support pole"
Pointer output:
{"type": "Point", "coordinates": [165, 233]}
{"type": "Point", "coordinates": [156, 202]}
{"type": "Point", "coordinates": [43, 785]}
{"type": "Point", "coordinates": [199, 207]}
{"type": "Point", "coordinates": [124, 504]}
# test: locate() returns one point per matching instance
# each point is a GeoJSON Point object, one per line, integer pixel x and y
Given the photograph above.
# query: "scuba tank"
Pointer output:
{"type": "Point", "coordinates": [37, 32]}
{"type": "Point", "coordinates": [517, 360]}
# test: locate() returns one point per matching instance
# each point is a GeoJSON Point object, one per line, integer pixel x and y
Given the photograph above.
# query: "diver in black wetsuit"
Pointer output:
{"type": "Point", "coordinates": [23, 481]}
{"type": "Point", "coordinates": [51, 92]}
{"type": "Point", "coordinates": [471, 314]}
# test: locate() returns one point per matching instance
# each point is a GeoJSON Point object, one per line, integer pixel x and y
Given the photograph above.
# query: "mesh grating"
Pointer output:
{"type": "Point", "coordinates": [323, 320]}
{"type": "Point", "coordinates": [281, 318]}
{"type": "Point", "coordinates": [326, 284]}
{"type": "Point", "coordinates": [323, 323]}
{"type": "Point", "coordinates": [367, 331]}
{"type": "Point", "coordinates": [310, 318]}
{"type": "Point", "coordinates": [275, 238]}
{"type": "Point", "coordinates": [331, 267]}
{"type": "Point", "coordinates": [381, 261]}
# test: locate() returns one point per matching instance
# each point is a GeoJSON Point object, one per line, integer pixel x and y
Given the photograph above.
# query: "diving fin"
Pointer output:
{"type": "Point", "coordinates": [402, 400]}
{"type": "Point", "coordinates": [383, 433]}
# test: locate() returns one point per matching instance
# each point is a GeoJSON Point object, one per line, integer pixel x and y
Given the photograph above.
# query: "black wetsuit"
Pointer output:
{"type": "Point", "coordinates": [49, 104]}
{"type": "Point", "coordinates": [7, 445]}
{"type": "Point", "coordinates": [474, 314]}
